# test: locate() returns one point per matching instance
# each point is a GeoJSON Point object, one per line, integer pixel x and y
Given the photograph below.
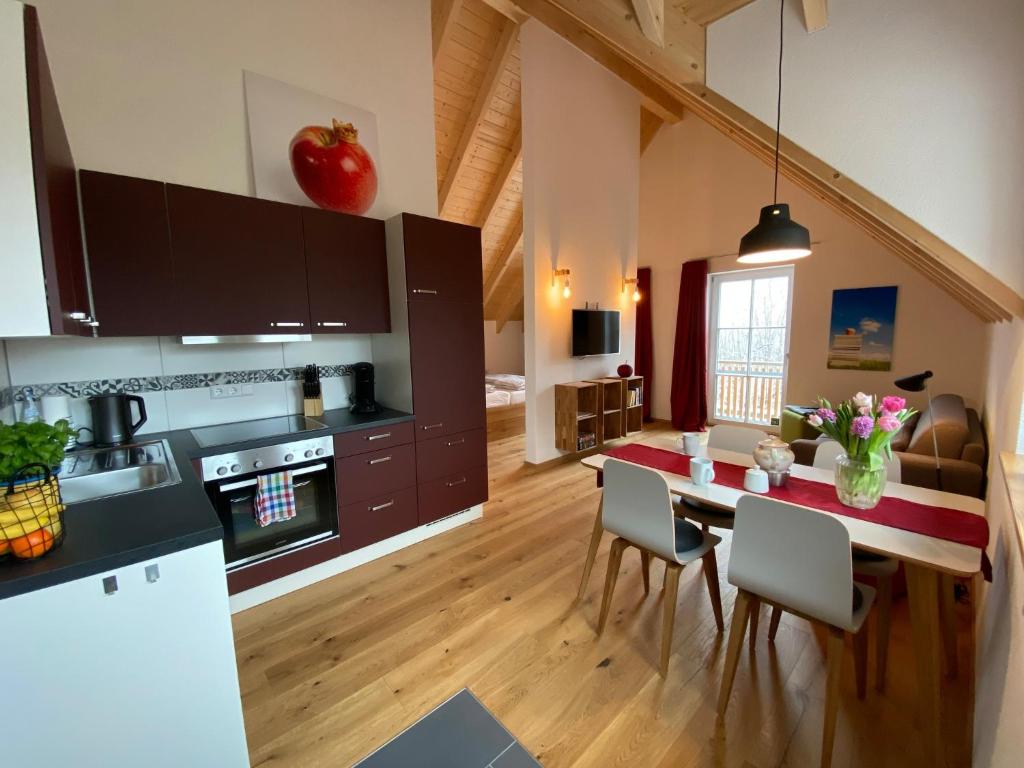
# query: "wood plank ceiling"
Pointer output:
{"type": "Point", "coordinates": [477, 133]}
{"type": "Point", "coordinates": [477, 122]}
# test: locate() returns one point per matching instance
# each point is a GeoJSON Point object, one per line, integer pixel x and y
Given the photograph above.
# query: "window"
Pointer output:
{"type": "Point", "coordinates": [749, 330]}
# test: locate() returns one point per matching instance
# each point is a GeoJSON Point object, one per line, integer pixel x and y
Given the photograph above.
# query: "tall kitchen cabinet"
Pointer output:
{"type": "Point", "coordinates": [45, 288]}
{"type": "Point", "coordinates": [433, 363]}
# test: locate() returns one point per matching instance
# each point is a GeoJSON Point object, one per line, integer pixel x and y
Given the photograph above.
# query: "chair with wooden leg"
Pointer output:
{"type": "Point", "coordinates": [799, 560]}
{"type": "Point", "coordinates": [638, 510]}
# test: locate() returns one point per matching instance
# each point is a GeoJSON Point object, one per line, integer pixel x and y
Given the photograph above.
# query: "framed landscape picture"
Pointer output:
{"type": "Point", "coordinates": [862, 328]}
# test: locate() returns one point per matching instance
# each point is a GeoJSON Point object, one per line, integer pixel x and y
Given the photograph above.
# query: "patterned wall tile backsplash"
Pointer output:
{"type": "Point", "coordinates": [142, 384]}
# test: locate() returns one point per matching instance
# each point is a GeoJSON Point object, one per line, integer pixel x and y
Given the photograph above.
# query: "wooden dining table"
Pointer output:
{"type": "Point", "coordinates": [932, 565]}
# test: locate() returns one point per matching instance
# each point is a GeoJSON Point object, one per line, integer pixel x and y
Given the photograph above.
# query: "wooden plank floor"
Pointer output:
{"type": "Point", "coordinates": [332, 671]}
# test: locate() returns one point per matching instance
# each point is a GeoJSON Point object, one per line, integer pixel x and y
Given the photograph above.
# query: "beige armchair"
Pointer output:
{"type": "Point", "coordinates": [962, 448]}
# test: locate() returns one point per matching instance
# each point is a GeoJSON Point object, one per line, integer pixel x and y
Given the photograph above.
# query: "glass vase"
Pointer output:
{"type": "Point", "coordinates": [857, 484]}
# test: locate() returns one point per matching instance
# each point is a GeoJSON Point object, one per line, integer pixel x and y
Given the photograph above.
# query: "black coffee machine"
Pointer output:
{"type": "Point", "coordinates": [362, 389]}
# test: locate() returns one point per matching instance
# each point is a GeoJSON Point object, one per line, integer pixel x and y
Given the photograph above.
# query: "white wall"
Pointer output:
{"type": "Point", "coordinates": [920, 101]}
{"type": "Point", "coordinates": [154, 89]}
{"type": "Point", "coordinates": [700, 192]}
{"type": "Point", "coordinates": [999, 697]}
{"type": "Point", "coordinates": [504, 352]}
{"type": "Point", "coordinates": [581, 130]}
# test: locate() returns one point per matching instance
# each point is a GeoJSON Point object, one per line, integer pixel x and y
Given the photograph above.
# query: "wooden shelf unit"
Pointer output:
{"type": "Point", "coordinates": [612, 393]}
{"type": "Point", "coordinates": [633, 405]}
{"type": "Point", "coordinates": [577, 412]}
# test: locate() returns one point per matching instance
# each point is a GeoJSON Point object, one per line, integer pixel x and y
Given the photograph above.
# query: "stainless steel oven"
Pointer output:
{"type": "Point", "coordinates": [232, 481]}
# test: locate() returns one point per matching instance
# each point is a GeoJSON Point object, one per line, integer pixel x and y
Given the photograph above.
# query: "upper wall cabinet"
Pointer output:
{"type": "Point", "coordinates": [239, 265]}
{"type": "Point", "coordinates": [346, 263]}
{"type": "Point", "coordinates": [45, 287]}
{"type": "Point", "coordinates": [442, 260]}
{"type": "Point", "coordinates": [129, 246]}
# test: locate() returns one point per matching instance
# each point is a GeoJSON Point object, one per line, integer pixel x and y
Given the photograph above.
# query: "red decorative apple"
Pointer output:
{"type": "Point", "coordinates": [333, 168]}
{"type": "Point", "coordinates": [625, 370]}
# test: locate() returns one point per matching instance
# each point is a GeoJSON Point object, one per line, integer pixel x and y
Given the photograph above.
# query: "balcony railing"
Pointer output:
{"type": "Point", "coordinates": [750, 393]}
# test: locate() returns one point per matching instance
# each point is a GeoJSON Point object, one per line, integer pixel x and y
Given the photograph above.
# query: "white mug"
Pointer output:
{"type": "Point", "coordinates": [691, 443]}
{"type": "Point", "coordinates": [755, 480]}
{"type": "Point", "coordinates": [702, 471]}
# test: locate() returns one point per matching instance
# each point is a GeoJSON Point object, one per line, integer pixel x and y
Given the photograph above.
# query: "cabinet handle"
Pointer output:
{"type": "Point", "coordinates": [427, 427]}
{"type": "Point", "coordinates": [381, 460]}
{"type": "Point", "coordinates": [379, 507]}
{"type": "Point", "coordinates": [286, 325]}
{"type": "Point", "coordinates": [431, 291]}
{"type": "Point", "coordinates": [332, 325]}
{"type": "Point", "coordinates": [460, 441]}
{"type": "Point", "coordinates": [78, 316]}
{"type": "Point", "coordinates": [381, 436]}
{"type": "Point", "coordinates": [452, 483]}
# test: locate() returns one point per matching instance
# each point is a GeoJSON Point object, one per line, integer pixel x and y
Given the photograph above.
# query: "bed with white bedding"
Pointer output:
{"type": "Point", "coordinates": [505, 396]}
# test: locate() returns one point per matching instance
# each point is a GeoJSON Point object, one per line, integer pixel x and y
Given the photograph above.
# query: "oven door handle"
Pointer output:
{"type": "Point", "coordinates": [249, 483]}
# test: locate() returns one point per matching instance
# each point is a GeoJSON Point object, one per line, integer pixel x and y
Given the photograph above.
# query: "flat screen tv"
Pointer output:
{"type": "Point", "coordinates": [595, 332]}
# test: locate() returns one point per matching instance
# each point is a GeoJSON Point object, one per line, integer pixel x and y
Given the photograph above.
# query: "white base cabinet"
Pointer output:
{"type": "Point", "coordinates": [142, 676]}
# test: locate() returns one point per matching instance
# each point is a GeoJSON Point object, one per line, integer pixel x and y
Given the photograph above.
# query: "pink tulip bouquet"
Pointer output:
{"type": "Point", "coordinates": [863, 425]}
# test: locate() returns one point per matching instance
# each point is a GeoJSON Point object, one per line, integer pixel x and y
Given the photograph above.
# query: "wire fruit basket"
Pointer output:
{"type": "Point", "coordinates": [31, 514]}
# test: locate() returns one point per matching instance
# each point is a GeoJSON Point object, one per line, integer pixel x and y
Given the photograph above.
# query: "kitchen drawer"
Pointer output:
{"type": "Point", "coordinates": [449, 455]}
{"type": "Point", "coordinates": [371, 474]}
{"type": "Point", "coordinates": [376, 519]}
{"type": "Point", "coordinates": [365, 440]}
{"type": "Point", "coordinates": [451, 494]}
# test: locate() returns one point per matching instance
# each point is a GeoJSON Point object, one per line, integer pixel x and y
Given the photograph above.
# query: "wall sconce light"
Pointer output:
{"type": "Point", "coordinates": [627, 281]}
{"type": "Point", "coordinates": [564, 273]}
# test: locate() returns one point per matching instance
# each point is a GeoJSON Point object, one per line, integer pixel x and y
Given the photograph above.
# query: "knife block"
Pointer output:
{"type": "Point", "coordinates": [313, 406]}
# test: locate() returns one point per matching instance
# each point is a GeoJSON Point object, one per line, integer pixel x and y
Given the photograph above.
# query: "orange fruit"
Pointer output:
{"type": "Point", "coordinates": [33, 545]}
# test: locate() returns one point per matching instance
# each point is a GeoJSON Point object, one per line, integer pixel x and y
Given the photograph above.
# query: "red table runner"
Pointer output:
{"type": "Point", "coordinates": [940, 522]}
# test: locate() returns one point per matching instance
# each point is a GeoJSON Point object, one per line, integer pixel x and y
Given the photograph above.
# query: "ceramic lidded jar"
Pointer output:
{"type": "Point", "coordinates": [774, 455]}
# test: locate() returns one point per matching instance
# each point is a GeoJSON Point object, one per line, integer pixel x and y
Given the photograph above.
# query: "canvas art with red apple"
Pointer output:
{"type": "Point", "coordinates": [310, 149]}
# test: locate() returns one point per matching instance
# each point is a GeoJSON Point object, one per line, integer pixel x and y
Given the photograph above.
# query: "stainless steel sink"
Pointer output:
{"type": "Point", "coordinates": [98, 473]}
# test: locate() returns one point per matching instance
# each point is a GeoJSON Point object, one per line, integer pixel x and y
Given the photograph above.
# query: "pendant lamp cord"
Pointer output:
{"type": "Point", "coordinates": [778, 104]}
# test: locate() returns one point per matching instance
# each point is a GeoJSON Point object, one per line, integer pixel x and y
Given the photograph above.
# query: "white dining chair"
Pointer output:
{"type": "Point", "coordinates": [800, 560]}
{"type": "Point", "coordinates": [638, 510]}
{"type": "Point", "coordinates": [881, 568]}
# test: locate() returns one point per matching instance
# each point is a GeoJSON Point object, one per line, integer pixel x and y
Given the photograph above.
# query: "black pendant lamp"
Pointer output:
{"type": "Point", "coordinates": [776, 236]}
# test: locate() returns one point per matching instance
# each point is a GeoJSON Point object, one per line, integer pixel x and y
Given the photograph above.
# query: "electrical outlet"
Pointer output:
{"type": "Point", "coordinates": [231, 390]}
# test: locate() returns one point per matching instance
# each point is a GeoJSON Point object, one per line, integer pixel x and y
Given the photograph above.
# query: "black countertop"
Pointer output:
{"type": "Point", "coordinates": [111, 533]}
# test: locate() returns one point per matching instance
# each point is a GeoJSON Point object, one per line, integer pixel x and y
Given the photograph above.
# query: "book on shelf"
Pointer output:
{"type": "Point", "coordinates": [634, 398]}
{"type": "Point", "coordinates": [585, 440]}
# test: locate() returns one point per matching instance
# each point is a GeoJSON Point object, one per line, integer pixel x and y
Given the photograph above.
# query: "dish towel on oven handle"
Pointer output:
{"type": "Point", "coordinates": [275, 498]}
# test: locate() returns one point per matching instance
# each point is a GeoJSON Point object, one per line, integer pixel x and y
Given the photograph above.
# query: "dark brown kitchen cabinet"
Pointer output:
{"type": "Point", "coordinates": [239, 264]}
{"type": "Point", "coordinates": [451, 494]}
{"type": "Point", "coordinates": [60, 239]}
{"type": "Point", "coordinates": [447, 357]}
{"type": "Point", "coordinates": [367, 522]}
{"type": "Point", "coordinates": [129, 246]}
{"type": "Point", "coordinates": [347, 267]}
{"type": "Point", "coordinates": [442, 260]}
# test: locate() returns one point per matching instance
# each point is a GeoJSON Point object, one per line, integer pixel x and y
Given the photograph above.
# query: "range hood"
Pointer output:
{"type": "Point", "coordinates": [264, 338]}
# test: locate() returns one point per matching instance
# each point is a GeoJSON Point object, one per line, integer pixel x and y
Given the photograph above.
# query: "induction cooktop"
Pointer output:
{"type": "Point", "coordinates": [242, 431]}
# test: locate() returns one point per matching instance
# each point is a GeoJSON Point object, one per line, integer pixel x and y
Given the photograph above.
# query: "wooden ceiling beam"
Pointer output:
{"type": "Point", "coordinates": [512, 307]}
{"type": "Point", "coordinates": [649, 125]}
{"type": "Point", "coordinates": [705, 12]}
{"type": "Point", "coordinates": [471, 130]}
{"type": "Point", "coordinates": [650, 15]}
{"type": "Point", "coordinates": [443, 14]}
{"type": "Point", "coordinates": [815, 14]}
{"type": "Point", "coordinates": [508, 167]}
{"type": "Point", "coordinates": [513, 244]}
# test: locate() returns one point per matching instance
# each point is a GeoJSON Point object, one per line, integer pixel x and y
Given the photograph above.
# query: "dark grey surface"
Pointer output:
{"type": "Point", "coordinates": [460, 733]}
{"type": "Point", "coordinates": [105, 534]}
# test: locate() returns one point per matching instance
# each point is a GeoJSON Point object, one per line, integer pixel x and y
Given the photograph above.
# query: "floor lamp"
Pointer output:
{"type": "Point", "coordinates": [919, 383]}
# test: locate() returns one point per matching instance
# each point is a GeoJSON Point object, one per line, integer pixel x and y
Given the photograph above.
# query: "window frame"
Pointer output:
{"type": "Point", "coordinates": [715, 280]}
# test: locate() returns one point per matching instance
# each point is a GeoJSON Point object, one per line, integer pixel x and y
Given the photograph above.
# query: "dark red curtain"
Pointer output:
{"type": "Point", "coordinates": [644, 356]}
{"type": "Point", "coordinates": [690, 361]}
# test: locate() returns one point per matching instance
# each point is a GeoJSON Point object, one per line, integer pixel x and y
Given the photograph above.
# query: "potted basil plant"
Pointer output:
{"type": "Point", "coordinates": [24, 444]}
